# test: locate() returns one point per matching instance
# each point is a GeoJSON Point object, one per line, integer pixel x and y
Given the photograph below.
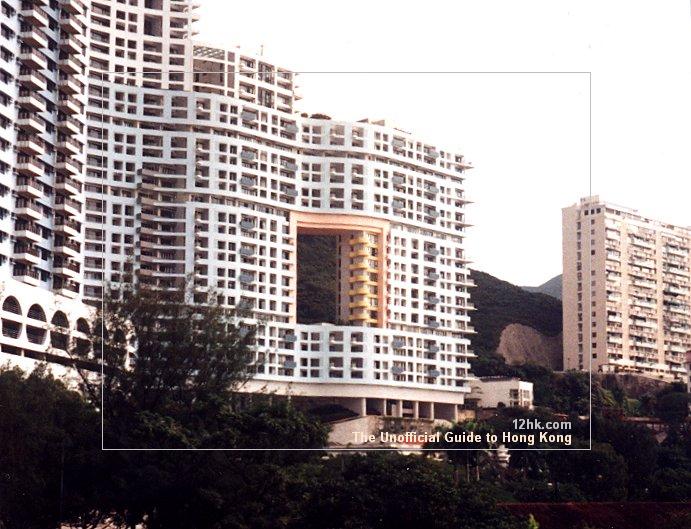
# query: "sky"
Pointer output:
{"type": "Point", "coordinates": [528, 135]}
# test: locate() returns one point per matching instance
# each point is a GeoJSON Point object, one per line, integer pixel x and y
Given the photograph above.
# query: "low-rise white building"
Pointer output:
{"type": "Point", "coordinates": [493, 392]}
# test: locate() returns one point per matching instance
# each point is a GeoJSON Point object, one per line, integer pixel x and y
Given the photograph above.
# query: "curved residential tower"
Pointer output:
{"type": "Point", "coordinates": [195, 163]}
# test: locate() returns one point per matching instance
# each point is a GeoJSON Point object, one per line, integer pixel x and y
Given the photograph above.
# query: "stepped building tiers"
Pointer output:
{"type": "Point", "coordinates": [626, 291]}
{"type": "Point", "coordinates": [162, 158]}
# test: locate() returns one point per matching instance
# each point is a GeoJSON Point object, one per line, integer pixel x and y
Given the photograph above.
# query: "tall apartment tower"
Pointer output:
{"type": "Point", "coordinates": [626, 291]}
{"type": "Point", "coordinates": [42, 86]}
{"type": "Point", "coordinates": [192, 162]}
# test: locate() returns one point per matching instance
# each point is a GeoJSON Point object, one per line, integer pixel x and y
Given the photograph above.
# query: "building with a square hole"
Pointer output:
{"type": "Point", "coordinates": [175, 159]}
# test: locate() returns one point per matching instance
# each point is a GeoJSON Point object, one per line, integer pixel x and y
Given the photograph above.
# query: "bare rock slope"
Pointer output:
{"type": "Point", "coordinates": [520, 344]}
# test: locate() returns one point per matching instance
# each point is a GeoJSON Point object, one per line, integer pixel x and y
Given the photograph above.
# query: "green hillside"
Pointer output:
{"type": "Point", "coordinates": [316, 288]}
{"type": "Point", "coordinates": [551, 287]}
{"type": "Point", "coordinates": [500, 303]}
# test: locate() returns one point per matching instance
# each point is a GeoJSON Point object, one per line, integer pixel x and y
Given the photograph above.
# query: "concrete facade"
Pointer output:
{"type": "Point", "coordinates": [168, 159]}
{"type": "Point", "coordinates": [626, 293]}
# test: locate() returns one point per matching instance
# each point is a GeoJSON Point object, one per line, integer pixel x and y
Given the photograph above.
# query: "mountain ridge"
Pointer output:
{"type": "Point", "coordinates": [551, 287]}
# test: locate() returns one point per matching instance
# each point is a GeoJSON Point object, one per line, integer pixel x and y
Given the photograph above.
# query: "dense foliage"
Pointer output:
{"type": "Point", "coordinates": [52, 468]}
{"type": "Point", "coordinates": [317, 283]}
{"type": "Point", "coordinates": [500, 303]}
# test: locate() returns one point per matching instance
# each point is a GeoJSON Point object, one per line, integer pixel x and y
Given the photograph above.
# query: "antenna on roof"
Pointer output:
{"type": "Point", "coordinates": [261, 51]}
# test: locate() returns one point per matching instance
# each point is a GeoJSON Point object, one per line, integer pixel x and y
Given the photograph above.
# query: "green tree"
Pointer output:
{"type": "Point", "coordinates": [637, 445]}
{"type": "Point", "coordinates": [673, 407]}
{"type": "Point", "coordinates": [599, 473]}
{"type": "Point", "coordinates": [383, 490]}
{"type": "Point", "coordinates": [172, 368]}
{"type": "Point", "coordinates": [50, 439]}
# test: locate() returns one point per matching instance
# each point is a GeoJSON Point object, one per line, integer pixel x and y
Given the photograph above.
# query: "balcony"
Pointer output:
{"type": "Point", "coordinates": [69, 147]}
{"type": "Point", "coordinates": [247, 95]}
{"type": "Point", "coordinates": [33, 59]}
{"type": "Point", "coordinates": [67, 167]}
{"type": "Point", "coordinates": [35, 37]}
{"type": "Point", "coordinates": [66, 287]}
{"type": "Point", "coordinates": [29, 167]}
{"type": "Point", "coordinates": [27, 254]}
{"type": "Point", "coordinates": [26, 274]}
{"type": "Point", "coordinates": [71, 45]}
{"type": "Point", "coordinates": [70, 24]}
{"type": "Point", "coordinates": [69, 125]}
{"type": "Point", "coordinates": [67, 268]}
{"type": "Point", "coordinates": [73, 6]}
{"type": "Point", "coordinates": [32, 80]}
{"type": "Point", "coordinates": [35, 16]}
{"type": "Point", "coordinates": [31, 101]}
{"type": "Point", "coordinates": [69, 65]}
{"type": "Point", "coordinates": [69, 85]}
{"type": "Point", "coordinates": [359, 291]}
{"type": "Point", "coordinates": [67, 248]}
{"type": "Point", "coordinates": [29, 232]}
{"type": "Point", "coordinates": [69, 105]}
{"type": "Point", "coordinates": [31, 124]}
{"type": "Point", "coordinates": [28, 187]}
{"type": "Point", "coordinates": [28, 210]}
{"type": "Point", "coordinates": [72, 186]}
{"type": "Point", "coordinates": [67, 226]}
{"type": "Point", "coordinates": [360, 303]}
{"type": "Point", "coordinates": [31, 147]}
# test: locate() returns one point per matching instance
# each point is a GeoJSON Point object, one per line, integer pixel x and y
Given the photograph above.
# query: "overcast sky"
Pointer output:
{"type": "Point", "coordinates": [526, 134]}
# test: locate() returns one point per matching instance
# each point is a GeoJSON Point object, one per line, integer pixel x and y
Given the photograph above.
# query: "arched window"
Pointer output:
{"type": "Point", "coordinates": [12, 305]}
{"type": "Point", "coordinates": [36, 313]}
{"type": "Point", "coordinates": [83, 326]}
{"type": "Point", "coordinates": [60, 320]}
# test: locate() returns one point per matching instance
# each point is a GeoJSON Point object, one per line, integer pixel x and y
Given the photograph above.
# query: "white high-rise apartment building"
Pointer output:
{"type": "Point", "coordinates": [42, 84]}
{"type": "Point", "coordinates": [213, 175]}
{"type": "Point", "coordinates": [626, 291]}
